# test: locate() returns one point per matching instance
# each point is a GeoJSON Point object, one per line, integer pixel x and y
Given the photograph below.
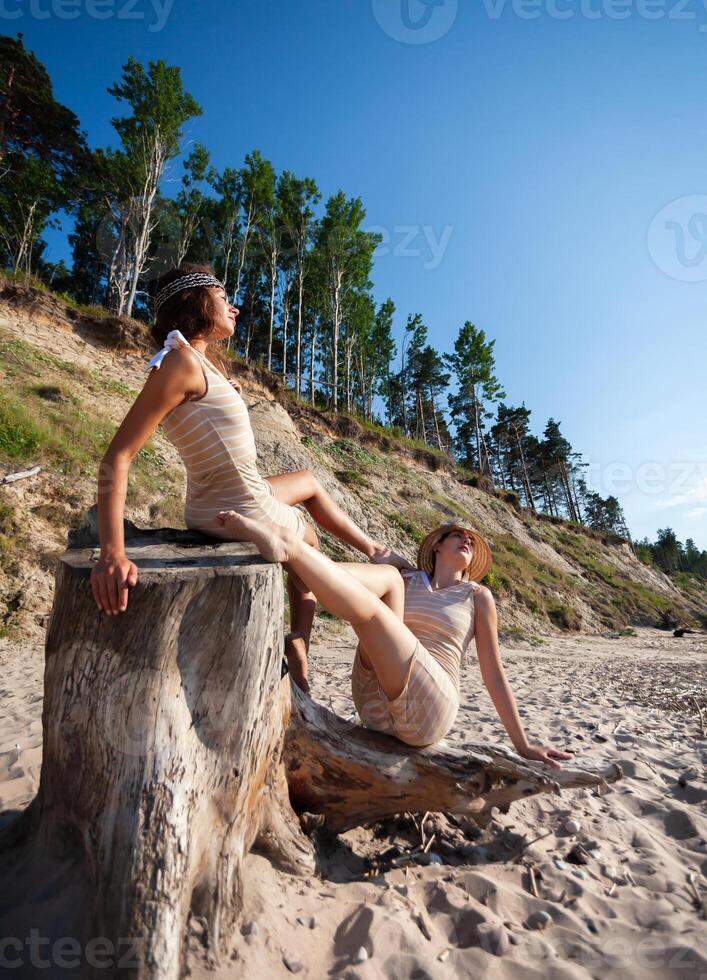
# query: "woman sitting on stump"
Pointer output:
{"type": "Point", "coordinates": [413, 630]}
{"type": "Point", "coordinates": [203, 414]}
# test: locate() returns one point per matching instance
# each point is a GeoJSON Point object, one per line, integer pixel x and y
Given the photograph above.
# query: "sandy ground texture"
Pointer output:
{"type": "Point", "coordinates": [621, 892]}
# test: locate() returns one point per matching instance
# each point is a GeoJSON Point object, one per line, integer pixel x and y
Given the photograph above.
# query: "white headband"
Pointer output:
{"type": "Point", "coordinates": [185, 282]}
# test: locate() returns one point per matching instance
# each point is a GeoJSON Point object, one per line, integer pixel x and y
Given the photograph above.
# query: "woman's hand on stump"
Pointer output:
{"type": "Point", "coordinates": [546, 754]}
{"type": "Point", "coordinates": [110, 580]}
{"type": "Point", "coordinates": [386, 556]}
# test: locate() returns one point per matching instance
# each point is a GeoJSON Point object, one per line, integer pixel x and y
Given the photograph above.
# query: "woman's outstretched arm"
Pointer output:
{"type": "Point", "coordinates": [165, 388]}
{"type": "Point", "coordinates": [494, 677]}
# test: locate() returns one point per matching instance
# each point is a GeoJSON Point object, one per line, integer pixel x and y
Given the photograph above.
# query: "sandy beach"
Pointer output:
{"type": "Point", "coordinates": [619, 893]}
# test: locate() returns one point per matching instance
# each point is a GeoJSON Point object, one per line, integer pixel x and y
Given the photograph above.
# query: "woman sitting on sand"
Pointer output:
{"type": "Point", "coordinates": [413, 630]}
{"type": "Point", "coordinates": [203, 414]}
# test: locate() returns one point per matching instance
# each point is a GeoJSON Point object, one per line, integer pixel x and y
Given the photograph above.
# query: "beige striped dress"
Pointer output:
{"type": "Point", "coordinates": [213, 435]}
{"type": "Point", "coordinates": [443, 622]}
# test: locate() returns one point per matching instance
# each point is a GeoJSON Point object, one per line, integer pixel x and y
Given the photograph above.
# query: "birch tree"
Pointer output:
{"type": "Point", "coordinates": [191, 200]}
{"type": "Point", "coordinates": [297, 198]}
{"type": "Point", "coordinates": [347, 256]}
{"type": "Point", "coordinates": [151, 137]}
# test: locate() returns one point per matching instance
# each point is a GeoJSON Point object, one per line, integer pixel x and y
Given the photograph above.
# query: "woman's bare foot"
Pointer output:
{"type": "Point", "coordinates": [296, 656]}
{"type": "Point", "coordinates": [386, 556]}
{"type": "Point", "coordinates": [274, 542]}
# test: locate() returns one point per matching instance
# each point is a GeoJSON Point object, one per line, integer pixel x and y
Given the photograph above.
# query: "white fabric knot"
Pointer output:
{"type": "Point", "coordinates": [173, 340]}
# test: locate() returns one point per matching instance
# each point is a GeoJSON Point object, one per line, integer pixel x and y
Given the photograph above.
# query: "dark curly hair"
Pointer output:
{"type": "Point", "coordinates": [190, 311]}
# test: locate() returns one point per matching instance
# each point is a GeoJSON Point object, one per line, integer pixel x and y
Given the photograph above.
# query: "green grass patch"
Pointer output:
{"type": "Point", "coordinates": [407, 526]}
{"type": "Point", "coordinates": [564, 617]}
{"type": "Point", "coordinates": [50, 416]}
{"type": "Point", "coordinates": [497, 581]}
{"type": "Point", "coordinates": [351, 478]}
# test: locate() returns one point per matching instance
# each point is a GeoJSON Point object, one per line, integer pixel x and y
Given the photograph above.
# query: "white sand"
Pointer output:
{"type": "Point", "coordinates": [630, 912]}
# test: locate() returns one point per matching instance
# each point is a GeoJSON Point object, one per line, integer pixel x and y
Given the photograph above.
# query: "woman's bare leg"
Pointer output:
{"type": "Point", "coordinates": [388, 642]}
{"type": "Point", "coordinates": [303, 487]}
{"type": "Point", "coordinates": [383, 581]}
{"type": "Point", "coordinates": [303, 604]}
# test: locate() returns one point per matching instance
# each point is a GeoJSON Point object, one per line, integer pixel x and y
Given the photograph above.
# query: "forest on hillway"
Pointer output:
{"type": "Point", "coordinates": [298, 267]}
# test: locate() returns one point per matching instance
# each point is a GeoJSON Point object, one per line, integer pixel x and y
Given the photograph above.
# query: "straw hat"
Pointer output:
{"type": "Point", "coordinates": [481, 559]}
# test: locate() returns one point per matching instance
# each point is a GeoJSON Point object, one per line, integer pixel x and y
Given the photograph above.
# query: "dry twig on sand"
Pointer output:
{"type": "Point", "coordinates": [13, 477]}
{"type": "Point", "coordinates": [699, 712]}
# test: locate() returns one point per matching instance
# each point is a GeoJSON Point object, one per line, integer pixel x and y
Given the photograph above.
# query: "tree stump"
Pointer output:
{"type": "Point", "coordinates": [170, 736]}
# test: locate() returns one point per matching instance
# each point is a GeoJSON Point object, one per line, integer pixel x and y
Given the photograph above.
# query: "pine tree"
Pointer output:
{"type": "Point", "coordinates": [478, 388]}
{"type": "Point", "coordinates": [41, 155]}
{"type": "Point", "coordinates": [510, 435]}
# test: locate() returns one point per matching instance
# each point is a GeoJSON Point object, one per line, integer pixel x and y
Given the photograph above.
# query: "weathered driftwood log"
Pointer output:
{"type": "Point", "coordinates": [169, 739]}
{"type": "Point", "coordinates": [353, 776]}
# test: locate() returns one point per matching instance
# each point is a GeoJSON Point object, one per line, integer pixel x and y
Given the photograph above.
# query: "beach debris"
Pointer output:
{"type": "Point", "coordinates": [361, 955]}
{"type": "Point", "coordinates": [22, 475]}
{"type": "Point", "coordinates": [580, 873]}
{"type": "Point", "coordinates": [443, 956]}
{"type": "Point", "coordinates": [420, 920]}
{"type": "Point", "coordinates": [572, 826]}
{"type": "Point", "coordinates": [611, 873]}
{"type": "Point", "coordinates": [533, 880]}
{"type": "Point", "coordinates": [539, 920]}
{"type": "Point", "coordinates": [595, 853]}
{"type": "Point", "coordinates": [699, 712]}
{"type": "Point", "coordinates": [560, 864]}
{"type": "Point", "coordinates": [577, 855]}
{"type": "Point", "coordinates": [518, 854]}
{"type": "Point", "coordinates": [692, 880]}
{"type": "Point", "coordinates": [250, 929]}
{"type": "Point", "coordinates": [293, 965]}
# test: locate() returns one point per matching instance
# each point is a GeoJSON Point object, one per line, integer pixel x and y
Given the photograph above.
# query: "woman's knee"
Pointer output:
{"type": "Point", "coordinates": [310, 483]}
{"type": "Point", "coordinates": [310, 537]}
{"type": "Point", "coordinates": [396, 589]}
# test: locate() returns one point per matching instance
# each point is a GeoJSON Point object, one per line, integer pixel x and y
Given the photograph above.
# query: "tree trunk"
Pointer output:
{"type": "Point", "coordinates": [312, 357]}
{"type": "Point", "coordinates": [272, 262]}
{"type": "Point", "coordinates": [162, 737]}
{"type": "Point", "coordinates": [335, 327]}
{"type": "Point", "coordinates": [169, 740]}
{"type": "Point", "coordinates": [526, 476]}
{"type": "Point", "coordinates": [300, 294]}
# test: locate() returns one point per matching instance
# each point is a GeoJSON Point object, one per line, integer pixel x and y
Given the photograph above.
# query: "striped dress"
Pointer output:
{"type": "Point", "coordinates": [443, 622]}
{"type": "Point", "coordinates": [213, 435]}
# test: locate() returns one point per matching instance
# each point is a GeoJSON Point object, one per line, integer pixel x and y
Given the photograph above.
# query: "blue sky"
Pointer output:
{"type": "Point", "coordinates": [548, 174]}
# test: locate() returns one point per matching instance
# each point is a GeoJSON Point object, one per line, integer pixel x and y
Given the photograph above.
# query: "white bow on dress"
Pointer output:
{"type": "Point", "coordinates": [173, 340]}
